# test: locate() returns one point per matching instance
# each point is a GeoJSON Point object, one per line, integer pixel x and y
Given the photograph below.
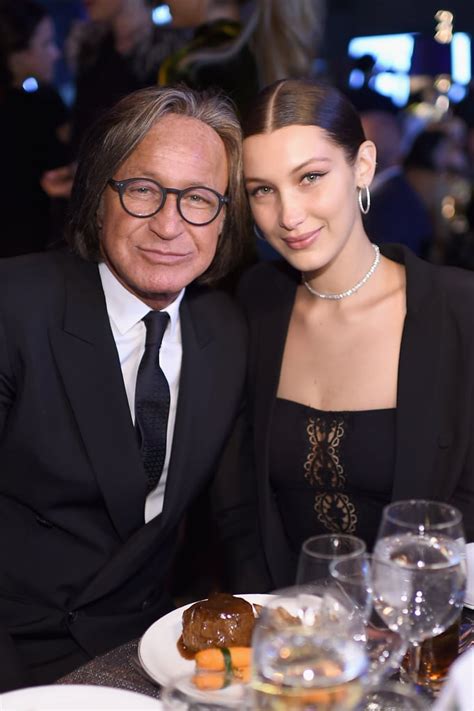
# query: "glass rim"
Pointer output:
{"type": "Point", "coordinates": [388, 514]}
{"type": "Point", "coordinates": [362, 548]}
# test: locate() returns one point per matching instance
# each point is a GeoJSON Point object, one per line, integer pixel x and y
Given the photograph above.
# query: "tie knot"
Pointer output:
{"type": "Point", "coordinates": [155, 322]}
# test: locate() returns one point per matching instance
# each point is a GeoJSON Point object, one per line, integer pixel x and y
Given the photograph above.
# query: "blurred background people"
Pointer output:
{"type": "Point", "coordinates": [33, 125]}
{"type": "Point", "coordinates": [436, 167]}
{"type": "Point", "coordinates": [241, 45]}
{"type": "Point", "coordinates": [363, 96]}
{"type": "Point", "coordinates": [116, 51]}
{"type": "Point", "coordinates": [397, 213]}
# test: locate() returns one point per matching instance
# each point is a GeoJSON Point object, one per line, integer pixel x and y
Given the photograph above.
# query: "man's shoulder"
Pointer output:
{"type": "Point", "coordinates": [265, 280]}
{"type": "Point", "coordinates": [213, 303]}
{"type": "Point", "coordinates": [35, 275]}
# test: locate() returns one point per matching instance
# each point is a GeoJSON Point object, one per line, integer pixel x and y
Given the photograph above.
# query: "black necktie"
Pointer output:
{"type": "Point", "coordinates": [152, 399]}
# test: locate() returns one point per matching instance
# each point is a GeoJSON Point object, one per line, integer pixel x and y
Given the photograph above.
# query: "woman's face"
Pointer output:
{"type": "Point", "coordinates": [303, 192]}
{"type": "Point", "coordinates": [39, 58]}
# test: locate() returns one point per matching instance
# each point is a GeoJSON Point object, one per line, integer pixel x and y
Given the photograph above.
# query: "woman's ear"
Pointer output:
{"type": "Point", "coordinates": [365, 163]}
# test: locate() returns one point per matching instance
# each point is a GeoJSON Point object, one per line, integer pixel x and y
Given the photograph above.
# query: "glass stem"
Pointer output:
{"type": "Point", "coordinates": [414, 660]}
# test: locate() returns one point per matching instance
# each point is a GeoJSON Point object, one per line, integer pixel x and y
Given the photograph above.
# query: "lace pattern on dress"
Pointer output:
{"type": "Point", "coordinates": [325, 472]}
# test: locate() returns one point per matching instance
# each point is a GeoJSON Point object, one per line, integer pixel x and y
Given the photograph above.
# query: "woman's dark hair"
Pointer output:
{"type": "Point", "coordinates": [18, 22]}
{"type": "Point", "coordinates": [116, 135]}
{"type": "Point", "coordinates": [303, 102]}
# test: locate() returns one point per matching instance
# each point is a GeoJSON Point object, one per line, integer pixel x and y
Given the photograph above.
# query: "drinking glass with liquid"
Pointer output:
{"type": "Point", "coordinates": [419, 574]}
{"type": "Point", "coordinates": [305, 653]}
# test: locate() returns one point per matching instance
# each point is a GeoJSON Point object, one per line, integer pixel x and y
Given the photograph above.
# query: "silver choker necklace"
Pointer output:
{"type": "Point", "coordinates": [355, 288]}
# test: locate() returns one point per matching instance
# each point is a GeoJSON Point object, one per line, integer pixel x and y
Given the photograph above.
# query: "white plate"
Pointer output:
{"type": "Point", "coordinates": [157, 650]}
{"type": "Point", "coordinates": [76, 697]}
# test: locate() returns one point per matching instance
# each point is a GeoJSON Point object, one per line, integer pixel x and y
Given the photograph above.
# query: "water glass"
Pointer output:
{"type": "Point", "coordinates": [385, 649]}
{"type": "Point", "coordinates": [318, 552]}
{"type": "Point", "coordinates": [419, 572]}
{"type": "Point", "coordinates": [305, 653]}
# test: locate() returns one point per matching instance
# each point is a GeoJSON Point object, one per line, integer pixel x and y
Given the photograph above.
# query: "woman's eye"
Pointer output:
{"type": "Point", "coordinates": [261, 191]}
{"type": "Point", "coordinates": [310, 178]}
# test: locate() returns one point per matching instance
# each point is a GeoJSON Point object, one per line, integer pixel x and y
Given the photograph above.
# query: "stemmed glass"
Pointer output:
{"type": "Point", "coordinates": [419, 571]}
{"type": "Point", "coordinates": [385, 649]}
{"type": "Point", "coordinates": [317, 554]}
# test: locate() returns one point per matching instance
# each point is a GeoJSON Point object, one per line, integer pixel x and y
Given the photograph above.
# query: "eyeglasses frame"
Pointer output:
{"type": "Point", "coordinates": [120, 185]}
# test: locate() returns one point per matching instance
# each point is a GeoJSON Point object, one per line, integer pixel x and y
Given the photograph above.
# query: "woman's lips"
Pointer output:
{"type": "Point", "coordinates": [302, 241]}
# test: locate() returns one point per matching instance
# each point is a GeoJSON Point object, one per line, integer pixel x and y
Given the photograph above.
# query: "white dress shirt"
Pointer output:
{"type": "Point", "coordinates": [126, 311]}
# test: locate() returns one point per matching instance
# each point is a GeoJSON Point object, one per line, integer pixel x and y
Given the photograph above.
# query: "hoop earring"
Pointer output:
{"type": "Point", "coordinates": [258, 232]}
{"type": "Point", "coordinates": [364, 208]}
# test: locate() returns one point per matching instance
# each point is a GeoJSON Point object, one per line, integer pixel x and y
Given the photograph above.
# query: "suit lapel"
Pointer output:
{"type": "Point", "coordinates": [194, 387]}
{"type": "Point", "coordinates": [418, 405]}
{"type": "Point", "coordinates": [88, 362]}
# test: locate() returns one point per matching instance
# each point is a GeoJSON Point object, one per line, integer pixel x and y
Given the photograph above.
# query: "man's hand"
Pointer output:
{"type": "Point", "coordinates": [57, 183]}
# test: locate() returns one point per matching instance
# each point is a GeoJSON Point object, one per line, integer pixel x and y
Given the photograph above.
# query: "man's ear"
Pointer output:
{"type": "Point", "coordinates": [365, 163]}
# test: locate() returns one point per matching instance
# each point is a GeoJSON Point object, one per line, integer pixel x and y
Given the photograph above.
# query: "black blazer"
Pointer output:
{"type": "Point", "coordinates": [435, 406]}
{"type": "Point", "coordinates": [76, 558]}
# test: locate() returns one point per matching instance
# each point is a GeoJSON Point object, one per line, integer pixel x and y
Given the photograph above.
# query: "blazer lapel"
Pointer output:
{"type": "Point", "coordinates": [270, 338]}
{"type": "Point", "coordinates": [418, 405]}
{"type": "Point", "coordinates": [88, 362]}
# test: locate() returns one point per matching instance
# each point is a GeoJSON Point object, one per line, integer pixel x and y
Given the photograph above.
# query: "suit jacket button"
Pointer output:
{"type": "Point", "coordinates": [71, 617]}
{"type": "Point", "coordinates": [145, 604]}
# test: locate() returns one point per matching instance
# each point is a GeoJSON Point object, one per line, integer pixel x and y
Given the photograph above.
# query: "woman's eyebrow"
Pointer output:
{"type": "Point", "coordinates": [314, 159]}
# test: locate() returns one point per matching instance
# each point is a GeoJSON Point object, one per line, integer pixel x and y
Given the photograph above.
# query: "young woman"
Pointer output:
{"type": "Point", "coordinates": [361, 366]}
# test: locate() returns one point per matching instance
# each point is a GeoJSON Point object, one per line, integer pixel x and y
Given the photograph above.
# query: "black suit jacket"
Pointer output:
{"type": "Point", "coordinates": [77, 560]}
{"type": "Point", "coordinates": [434, 420]}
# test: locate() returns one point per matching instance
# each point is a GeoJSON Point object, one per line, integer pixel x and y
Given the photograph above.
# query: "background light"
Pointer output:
{"type": "Point", "coordinates": [161, 15]}
{"type": "Point", "coordinates": [30, 85]}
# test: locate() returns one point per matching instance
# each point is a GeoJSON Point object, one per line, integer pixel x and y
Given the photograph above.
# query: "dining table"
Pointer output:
{"type": "Point", "coordinates": [121, 668]}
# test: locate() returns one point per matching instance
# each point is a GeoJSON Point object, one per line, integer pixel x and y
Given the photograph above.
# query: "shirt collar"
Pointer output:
{"type": "Point", "coordinates": [125, 309]}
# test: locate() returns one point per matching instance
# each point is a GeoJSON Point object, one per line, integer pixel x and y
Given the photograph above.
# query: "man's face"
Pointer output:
{"type": "Point", "coordinates": [155, 257]}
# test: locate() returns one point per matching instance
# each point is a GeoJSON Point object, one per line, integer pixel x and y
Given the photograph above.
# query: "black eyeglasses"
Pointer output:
{"type": "Point", "coordinates": [142, 197]}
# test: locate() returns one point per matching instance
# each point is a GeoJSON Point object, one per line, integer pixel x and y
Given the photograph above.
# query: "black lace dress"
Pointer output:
{"type": "Point", "coordinates": [331, 471]}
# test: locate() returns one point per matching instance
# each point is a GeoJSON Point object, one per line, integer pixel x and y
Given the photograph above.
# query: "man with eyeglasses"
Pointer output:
{"type": "Point", "coordinates": [121, 373]}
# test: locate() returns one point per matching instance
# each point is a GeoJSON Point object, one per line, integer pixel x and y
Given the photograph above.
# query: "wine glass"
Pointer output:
{"type": "Point", "coordinates": [385, 648]}
{"type": "Point", "coordinates": [391, 696]}
{"type": "Point", "coordinates": [318, 552]}
{"type": "Point", "coordinates": [305, 652]}
{"type": "Point", "coordinates": [419, 571]}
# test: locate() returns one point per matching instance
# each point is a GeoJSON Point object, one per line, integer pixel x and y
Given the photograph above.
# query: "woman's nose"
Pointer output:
{"type": "Point", "coordinates": [291, 214]}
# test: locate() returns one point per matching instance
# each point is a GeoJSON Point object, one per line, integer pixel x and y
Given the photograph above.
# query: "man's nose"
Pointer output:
{"type": "Point", "coordinates": [167, 222]}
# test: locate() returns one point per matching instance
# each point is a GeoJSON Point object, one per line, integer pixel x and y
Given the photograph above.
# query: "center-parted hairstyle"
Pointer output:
{"type": "Point", "coordinates": [115, 136]}
{"type": "Point", "coordinates": [303, 102]}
